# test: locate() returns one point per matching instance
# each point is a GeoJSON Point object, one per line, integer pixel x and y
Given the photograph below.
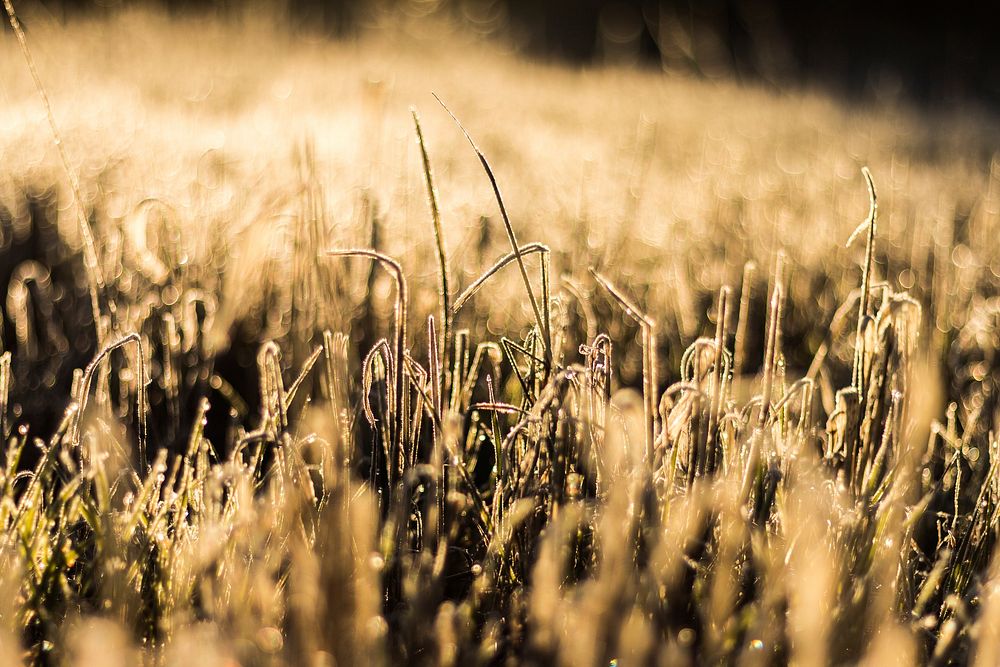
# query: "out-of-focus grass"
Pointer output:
{"type": "Point", "coordinates": [606, 155]}
{"type": "Point", "coordinates": [729, 476]}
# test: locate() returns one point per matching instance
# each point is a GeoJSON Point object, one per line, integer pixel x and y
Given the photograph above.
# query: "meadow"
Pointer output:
{"type": "Point", "coordinates": [612, 366]}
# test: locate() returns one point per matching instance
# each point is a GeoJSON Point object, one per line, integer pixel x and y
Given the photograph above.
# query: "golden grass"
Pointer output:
{"type": "Point", "coordinates": [276, 461]}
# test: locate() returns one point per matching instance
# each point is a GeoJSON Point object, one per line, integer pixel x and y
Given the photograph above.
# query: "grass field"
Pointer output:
{"type": "Point", "coordinates": [265, 401]}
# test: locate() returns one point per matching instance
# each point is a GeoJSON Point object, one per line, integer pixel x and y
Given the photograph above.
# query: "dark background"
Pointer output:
{"type": "Point", "coordinates": [935, 54]}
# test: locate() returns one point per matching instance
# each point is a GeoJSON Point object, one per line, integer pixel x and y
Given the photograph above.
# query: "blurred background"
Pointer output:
{"type": "Point", "coordinates": [930, 53]}
{"type": "Point", "coordinates": [667, 143]}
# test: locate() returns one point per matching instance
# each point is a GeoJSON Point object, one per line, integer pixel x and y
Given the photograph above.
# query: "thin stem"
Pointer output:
{"type": "Point", "coordinates": [442, 255]}
{"type": "Point", "coordinates": [95, 276]}
{"type": "Point", "coordinates": [871, 222]}
{"type": "Point", "coordinates": [649, 381]}
{"type": "Point", "coordinates": [539, 320]}
{"type": "Point", "coordinates": [399, 336]}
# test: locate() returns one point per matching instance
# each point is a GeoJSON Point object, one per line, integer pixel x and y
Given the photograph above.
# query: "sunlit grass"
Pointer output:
{"type": "Point", "coordinates": [348, 404]}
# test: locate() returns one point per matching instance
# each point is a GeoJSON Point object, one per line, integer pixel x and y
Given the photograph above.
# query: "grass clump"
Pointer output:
{"type": "Point", "coordinates": [243, 469]}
